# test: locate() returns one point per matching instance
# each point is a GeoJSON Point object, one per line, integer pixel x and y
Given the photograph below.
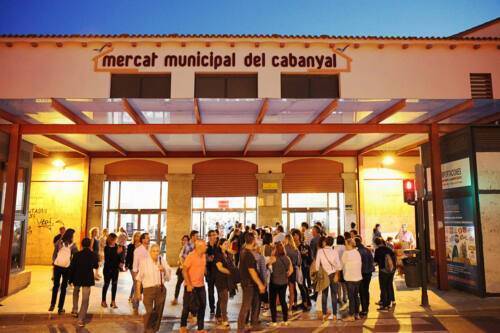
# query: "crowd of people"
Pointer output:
{"type": "Point", "coordinates": [275, 271]}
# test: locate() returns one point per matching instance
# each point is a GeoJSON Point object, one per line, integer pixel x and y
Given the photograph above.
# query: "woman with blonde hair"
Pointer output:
{"type": "Point", "coordinates": [94, 247]}
{"type": "Point", "coordinates": [293, 253]}
{"type": "Point", "coordinates": [129, 260]}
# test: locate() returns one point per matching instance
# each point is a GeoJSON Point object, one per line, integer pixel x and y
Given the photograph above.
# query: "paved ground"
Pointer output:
{"type": "Point", "coordinates": [452, 311]}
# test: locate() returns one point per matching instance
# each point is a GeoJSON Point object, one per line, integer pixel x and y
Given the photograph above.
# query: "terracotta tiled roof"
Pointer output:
{"type": "Point", "coordinates": [245, 36]}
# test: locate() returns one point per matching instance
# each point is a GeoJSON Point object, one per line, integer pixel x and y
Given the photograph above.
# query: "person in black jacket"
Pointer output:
{"type": "Point", "coordinates": [82, 276]}
{"type": "Point", "coordinates": [367, 269]}
{"type": "Point", "coordinates": [384, 254]}
{"type": "Point", "coordinates": [112, 257]}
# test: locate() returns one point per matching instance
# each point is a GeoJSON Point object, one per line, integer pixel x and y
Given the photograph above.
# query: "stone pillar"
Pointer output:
{"type": "Point", "coordinates": [269, 198]}
{"type": "Point", "coordinates": [178, 212]}
{"type": "Point", "coordinates": [95, 201]}
{"type": "Point", "coordinates": [350, 200]}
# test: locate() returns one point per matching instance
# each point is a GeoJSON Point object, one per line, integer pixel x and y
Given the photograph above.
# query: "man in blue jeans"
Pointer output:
{"type": "Point", "coordinates": [82, 277]}
{"type": "Point", "coordinates": [384, 254]}
{"type": "Point", "coordinates": [193, 271]}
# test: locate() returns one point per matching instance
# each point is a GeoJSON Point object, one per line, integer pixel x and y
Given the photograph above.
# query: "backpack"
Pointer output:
{"type": "Point", "coordinates": [63, 258]}
{"type": "Point", "coordinates": [389, 264]}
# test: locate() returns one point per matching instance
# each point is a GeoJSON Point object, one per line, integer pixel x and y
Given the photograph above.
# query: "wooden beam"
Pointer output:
{"type": "Point", "coordinates": [59, 107]}
{"type": "Point", "coordinates": [139, 119]}
{"type": "Point", "coordinates": [9, 212]}
{"type": "Point", "coordinates": [40, 151]}
{"type": "Point", "coordinates": [197, 116]}
{"type": "Point", "coordinates": [457, 109]}
{"type": "Point", "coordinates": [454, 110]}
{"type": "Point", "coordinates": [232, 129]}
{"type": "Point", "coordinates": [489, 119]}
{"type": "Point", "coordinates": [411, 147]}
{"type": "Point", "coordinates": [437, 208]}
{"type": "Point", "coordinates": [17, 120]}
{"type": "Point", "coordinates": [380, 143]}
{"type": "Point", "coordinates": [231, 153]}
{"type": "Point", "coordinates": [260, 117]}
{"type": "Point", "coordinates": [381, 116]}
{"type": "Point", "coordinates": [327, 111]}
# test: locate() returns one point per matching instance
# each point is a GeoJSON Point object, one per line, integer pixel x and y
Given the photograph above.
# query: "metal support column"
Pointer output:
{"type": "Point", "coordinates": [9, 208]}
{"type": "Point", "coordinates": [437, 207]}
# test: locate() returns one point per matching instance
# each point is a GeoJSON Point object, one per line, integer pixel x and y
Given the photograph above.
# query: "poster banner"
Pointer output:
{"type": "Point", "coordinates": [456, 174]}
{"type": "Point", "coordinates": [460, 236]}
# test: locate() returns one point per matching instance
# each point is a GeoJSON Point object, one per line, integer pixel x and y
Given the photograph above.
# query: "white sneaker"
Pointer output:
{"type": "Point", "coordinates": [284, 323]}
{"type": "Point", "coordinates": [273, 324]}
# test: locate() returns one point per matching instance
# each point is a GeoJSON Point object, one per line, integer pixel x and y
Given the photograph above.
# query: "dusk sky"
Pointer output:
{"type": "Point", "coordinates": [399, 18]}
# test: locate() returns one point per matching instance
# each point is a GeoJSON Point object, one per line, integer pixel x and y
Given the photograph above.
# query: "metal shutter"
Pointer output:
{"type": "Point", "coordinates": [313, 175]}
{"type": "Point", "coordinates": [480, 86]}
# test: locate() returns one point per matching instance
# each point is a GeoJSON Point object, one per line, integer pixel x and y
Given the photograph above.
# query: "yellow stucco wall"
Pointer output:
{"type": "Point", "coordinates": [56, 199]}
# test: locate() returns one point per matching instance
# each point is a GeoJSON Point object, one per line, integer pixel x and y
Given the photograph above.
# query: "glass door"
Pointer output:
{"type": "Point", "coordinates": [295, 219]}
{"type": "Point", "coordinates": [130, 222]}
{"type": "Point", "coordinates": [149, 223]}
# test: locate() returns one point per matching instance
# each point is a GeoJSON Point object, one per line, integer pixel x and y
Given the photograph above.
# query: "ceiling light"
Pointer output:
{"type": "Point", "coordinates": [59, 164]}
{"type": "Point", "coordinates": [388, 160]}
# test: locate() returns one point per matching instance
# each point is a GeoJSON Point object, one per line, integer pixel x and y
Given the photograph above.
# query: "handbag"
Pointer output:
{"type": "Point", "coordinates": [334, 277]}
{"type": "Point", "coordinates": [299, 276]}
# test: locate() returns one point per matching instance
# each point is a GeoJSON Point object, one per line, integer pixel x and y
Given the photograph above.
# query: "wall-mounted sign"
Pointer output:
{"type": "Point", "coordinates": [269, 186]}
{"type": "Point", "coordinates": [152, 60]}
{"type": "Point", "coordinates": [223, 204]}
{"type": "Point", "coordinates": [456, 174]}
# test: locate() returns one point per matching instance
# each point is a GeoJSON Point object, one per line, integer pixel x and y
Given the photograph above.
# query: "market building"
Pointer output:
{"type": "Point", "coordinates": [168, 133]}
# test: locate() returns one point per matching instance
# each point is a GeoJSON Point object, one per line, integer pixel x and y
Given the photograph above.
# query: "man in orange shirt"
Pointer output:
{"type": "Point", "coordinates": [193, 271]}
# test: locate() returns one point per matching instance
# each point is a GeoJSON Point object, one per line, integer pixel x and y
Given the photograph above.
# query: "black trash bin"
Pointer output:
{"type": "Point", "coordinates": [412, 272]}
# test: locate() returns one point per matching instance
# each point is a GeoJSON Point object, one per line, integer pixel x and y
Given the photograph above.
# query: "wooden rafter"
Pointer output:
{"type": "Point", "coordinates": [260, 117]}
{"type": "Point", "coordinates": [138, 119]}
{"type": "Point", "coordinates": [40, 151]}
{"type": "Point", "coordinates": [376, 119]}
{"type": "Point", "coordinates": [233, 129]}
{"type": "Point", "coordinates": [411, 147]}
{"type": "Point", "coordinates": [454, 110]}
{"type": "Point", "coordinates": [59, 107]}
{"type": "Point", "coordinates": [17, 120]}
{"type": "Point", "coordinates": [327, 111]}
{"type": "Point", "coordinates": [197, 115]}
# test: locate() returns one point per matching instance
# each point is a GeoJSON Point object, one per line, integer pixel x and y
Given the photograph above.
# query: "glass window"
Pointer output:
{"type": "Point", "coordinates": [197, 202]}
{"type": "Point", "coordinates": [112, 222]}
{"type": "Point", "coordinates": [149, 224]}
{"type": "Point", "coordinates": [227, 202]}
{"type": "Point", "coordinates": [332, 199]}
{"type": "Point", "coordinates": [251, 202]}
{"type": "Point", "coordinates": [21, 189]}
{"type": "Point", "coordinates": [136, 86]}
{"type": "Point", "coordinates": [342, 212]}
{"type": "Point", "coordinates": [251, 217]}
{"type": "Point", "coordinates": [284, 197]}
{"type": "Point", "coordinates": [114, 195]}
{"type": "Point", "coordinates": [226, 86]}
{"type": "Point", "coordinates": [196, 221]}
{"type": "Point", "coordinates": [17, 245]}
{"type": "Point", "coordinates": [164, 194]}
{"type": "Point", "coordinates": [309, 86]}
{"type": "Point", "coordinates": [308, 200]}
{"type": "Point", "coordinates": [333, 221]}
{"type": "Point", "coordinates": [134, 195]}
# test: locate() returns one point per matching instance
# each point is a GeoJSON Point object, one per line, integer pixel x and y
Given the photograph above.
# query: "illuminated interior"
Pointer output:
{"type": "Point", "coordinates": [136, 206]}
{"type": "Point", "coordinates": [327, 208]}
{"type": "Point", "coordinates": [225, 210]}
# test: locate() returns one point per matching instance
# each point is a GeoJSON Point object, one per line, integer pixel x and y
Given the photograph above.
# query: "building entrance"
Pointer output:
{"type": "Point", "coordinates": [227, 211]}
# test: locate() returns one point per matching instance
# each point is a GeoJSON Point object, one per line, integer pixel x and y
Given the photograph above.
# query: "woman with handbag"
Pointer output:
{"type": "Point", "coordinates": [223, 280]}
{"type": "Point", "coordinates": [293, 253]}
{"type": "Point", "coordinates": [178, 272]}
{"type": "Point", "coordinates": [282, 269]}
{"type": "Point", "coordinates": [301, 273]}
{"type": "Point", "coordinates": [64, 249]}
{"type": "Point", "coordinates": [327, 260]}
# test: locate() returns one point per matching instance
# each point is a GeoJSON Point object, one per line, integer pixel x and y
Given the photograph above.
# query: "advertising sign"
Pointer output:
{"type": "Point", "coordinates": [456, 174]}
{"type": "Point", "coordinates": [461, 254]}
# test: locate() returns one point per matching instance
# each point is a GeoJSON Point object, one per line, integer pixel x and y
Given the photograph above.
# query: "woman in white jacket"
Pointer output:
{"type": "Point", "coordinates": [328, 258]}
{"type": "Point", "coordinates": [351, 261]}
{"type": "Point", "coordinates": [152, 274]}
